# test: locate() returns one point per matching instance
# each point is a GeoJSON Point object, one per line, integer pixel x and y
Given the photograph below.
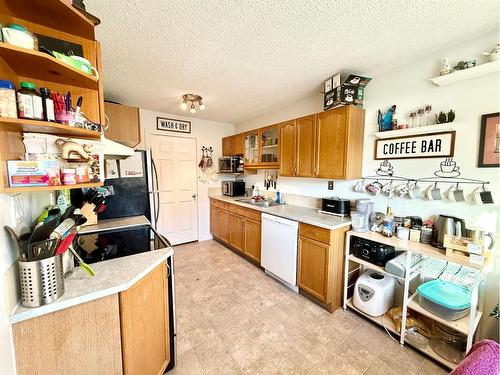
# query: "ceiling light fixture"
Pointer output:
{"type": "Point", "coordinates": [193, 99]}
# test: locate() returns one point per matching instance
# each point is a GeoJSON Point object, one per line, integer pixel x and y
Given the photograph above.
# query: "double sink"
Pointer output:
{"type": "Point", "coordinates": [255, 202]}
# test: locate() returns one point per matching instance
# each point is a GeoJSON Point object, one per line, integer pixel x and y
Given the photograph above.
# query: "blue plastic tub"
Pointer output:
{"type": "Point", "coordinates": [447, 300]}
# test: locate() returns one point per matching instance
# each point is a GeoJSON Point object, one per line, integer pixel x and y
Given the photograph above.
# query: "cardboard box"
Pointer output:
{"type": "Point", "coordinates": [348, 89]}
{"type": "Point", "coordinates": [33, 173]}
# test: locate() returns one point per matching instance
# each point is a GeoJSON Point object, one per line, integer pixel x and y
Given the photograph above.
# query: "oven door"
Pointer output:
{"type": "Point", "coordinates": [225, 165]}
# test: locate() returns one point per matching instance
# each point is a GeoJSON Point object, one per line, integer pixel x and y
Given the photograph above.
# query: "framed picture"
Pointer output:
{"type": "Point", "coordinates": [489, 142]}
{"type": "Point", "coordinates": [328, 85]}
{"type": "Point", "coordinates": [173, 125]}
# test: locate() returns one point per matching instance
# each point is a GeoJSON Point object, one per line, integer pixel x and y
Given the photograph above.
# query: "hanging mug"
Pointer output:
{"type": "Point", "coordinates": [458, 195]}
{"type": "Point", "coordinates": [415, 192]}
{"type": "Point", "coordinates": [374, 188]}
{"type": "Point", "coordinates": [389, 189]}
{"type": "Point", "coordinates": [402, 190]}
{"type": "Point", "coordinates": [434, 193]}
{"type": "Point", "coordinates": [360, 186]}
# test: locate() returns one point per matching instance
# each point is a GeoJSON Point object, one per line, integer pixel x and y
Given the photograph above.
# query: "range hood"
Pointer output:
{"type": "Point", "coordinates": [115, 150]}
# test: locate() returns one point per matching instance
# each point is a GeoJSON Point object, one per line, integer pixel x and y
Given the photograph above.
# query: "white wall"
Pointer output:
{"type": "Point", "coordinates": [9, 289]}
{"type": "Point", "coordinates": [208, 134]}
{"type": "Point", "coordinates": [408, 87]}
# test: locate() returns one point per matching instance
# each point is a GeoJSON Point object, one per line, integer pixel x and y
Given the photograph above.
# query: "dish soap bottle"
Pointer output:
{"type": "Point", "coordinates": [388, 223]}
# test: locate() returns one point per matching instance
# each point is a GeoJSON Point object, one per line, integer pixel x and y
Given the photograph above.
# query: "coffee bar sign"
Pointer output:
{"type": "Point", "coordinates": [434, 145]}
{"type": "Point", "coordinates": [173, 125]}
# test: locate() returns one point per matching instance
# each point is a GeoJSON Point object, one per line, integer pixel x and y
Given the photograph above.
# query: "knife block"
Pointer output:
{"type": "Point", "coordinates": [88, 211]}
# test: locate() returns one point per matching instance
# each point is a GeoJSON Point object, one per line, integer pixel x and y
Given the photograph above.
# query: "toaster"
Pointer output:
{"type": "Point", "coordinates": [336, 206]}
{"type": "Point", "coordinates": [372, 252]}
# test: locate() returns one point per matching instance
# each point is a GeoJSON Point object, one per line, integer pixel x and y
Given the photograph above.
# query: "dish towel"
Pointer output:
{"type": "Point", "coordinates": [482, 359]}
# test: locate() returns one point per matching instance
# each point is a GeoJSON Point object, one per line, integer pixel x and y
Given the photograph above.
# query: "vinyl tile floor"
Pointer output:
{"type": "Point", "coordinates": [234, 319]}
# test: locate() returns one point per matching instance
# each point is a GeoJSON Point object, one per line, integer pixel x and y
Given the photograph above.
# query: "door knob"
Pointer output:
{"type": "Point", "coordinates": [194, 196]}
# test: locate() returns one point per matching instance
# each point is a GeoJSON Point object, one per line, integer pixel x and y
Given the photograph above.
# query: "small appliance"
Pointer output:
{"type": "Point", "coordinates": [336, 206]}
{"type": "Point", "coordinates": [231, 164]}
{"type": "Point", "coordinates": [372, 252]}
{"type": "Point", "coordinates": [397, 265]}
{"type": "Point", "coordinates": [361, 215]}
{"type": "Point", "coordinates": [233, 188]}
{"type": "Point", "coordinates": [374, 293]}
{"type": "Point", "coordinates": [446, 225]}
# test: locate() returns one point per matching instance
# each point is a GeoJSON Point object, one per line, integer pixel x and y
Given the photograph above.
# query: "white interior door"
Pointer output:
{"type": "Point", "coordinates": [175, 160]}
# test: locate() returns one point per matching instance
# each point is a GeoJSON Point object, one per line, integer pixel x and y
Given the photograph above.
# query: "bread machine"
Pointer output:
{"type": "Point", "coordinates": [374, 293]}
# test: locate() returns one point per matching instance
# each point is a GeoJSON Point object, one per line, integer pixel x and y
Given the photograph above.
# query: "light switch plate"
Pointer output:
{"type": "Point", "coordinates": [16, 209]}
{"type": "Point", "coordinates": [330, 185]}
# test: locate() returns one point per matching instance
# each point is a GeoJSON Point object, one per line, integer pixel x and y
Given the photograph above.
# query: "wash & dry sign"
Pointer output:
{"type": "Point", "coordinates": [173, 125]}
{"type": "Point", "coordinates": [435, 145]}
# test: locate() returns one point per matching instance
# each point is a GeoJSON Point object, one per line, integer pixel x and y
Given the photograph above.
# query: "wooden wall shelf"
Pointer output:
{"type": "Point", "coordinates": [45, 127]}
{"type": "Point", "coordinates": [39, 65]}
{"type": "Point", "coordinates": [428, 129]}
{"type": "Point", "coordinates": [51, 188]}
{"type": "Point", "coordinates": [53, 14]}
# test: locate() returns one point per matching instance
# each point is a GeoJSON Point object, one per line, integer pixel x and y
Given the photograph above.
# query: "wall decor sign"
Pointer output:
{"type": "Point", "coordinates": [489, 142]}
{"type": "Point", "coordinates": [434, 145]}
{"type": "Point", "coordinates": [172, 125]}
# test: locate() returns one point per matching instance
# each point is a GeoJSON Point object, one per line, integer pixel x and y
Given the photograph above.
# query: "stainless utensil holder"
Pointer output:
{"type": "Point", "coordinates": [42, 281]}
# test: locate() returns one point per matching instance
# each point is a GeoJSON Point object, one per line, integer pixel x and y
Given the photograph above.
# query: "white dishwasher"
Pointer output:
{"type": "Point", "coordinates": [279, 249]}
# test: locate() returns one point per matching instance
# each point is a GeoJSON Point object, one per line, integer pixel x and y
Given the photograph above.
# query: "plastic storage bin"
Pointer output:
{"type": "Point", "coordinates": [447, 300]}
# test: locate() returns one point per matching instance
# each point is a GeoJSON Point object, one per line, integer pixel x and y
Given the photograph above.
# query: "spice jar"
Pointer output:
{"type": "Point", "coordinates": [29, 102]}
{"type": "Point", "coordinates": [47, 104]}
{"type": "Point", "coordinates": [8, 107]}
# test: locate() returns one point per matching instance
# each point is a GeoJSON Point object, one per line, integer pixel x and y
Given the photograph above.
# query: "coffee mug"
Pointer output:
{"type": "Point", "coordinates": [434, 193]}
{"type": "Point", "coordinates": [448, 194]}
{"type": "Point", "coordinates": [360, 186]}
{"type": "Point", "coordinates": [402, 190]}
{"type": "Point", "coordinates": [415, 192]}
{"type": "Point", "coordinates": [389, 190]}
{"type": "Point", "coordinates": [458, 195]}
{"type": "Point", "coordinates": [481, 196]}
{"type": "Point", "coordinates": [84, 65]}
{"type": "Point", "coordinates": [449, 166]}
{"type": "Point", "coordinates": [374, 188]}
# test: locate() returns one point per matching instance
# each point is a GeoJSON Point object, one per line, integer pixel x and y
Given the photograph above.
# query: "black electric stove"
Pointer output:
{"type": "Point", "coordinates": [110, 244]}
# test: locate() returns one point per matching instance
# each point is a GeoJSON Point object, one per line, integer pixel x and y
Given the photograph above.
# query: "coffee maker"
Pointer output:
{"type": "Point", "coordinates": [361, 216]}
{"type": "Point", "coordinates": [446, 225]}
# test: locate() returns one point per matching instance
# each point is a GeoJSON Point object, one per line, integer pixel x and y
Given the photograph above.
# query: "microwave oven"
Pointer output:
{"type": "Point", "coordinates": [231, 164]}
{"type": "Point", "coordinates": [233, 188]}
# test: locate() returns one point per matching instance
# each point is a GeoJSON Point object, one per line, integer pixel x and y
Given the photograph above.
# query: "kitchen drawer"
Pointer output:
{"type": "Point", "coordinates": [224, 205]}
{"type": "Point", "coordinates": [252, 214]}
{"type": "Point", "coordinates": [314, 233]}
{"type": "Point", "coordinates": [237, 209]}
{"type": "Point", "coordinates": [214, 202]}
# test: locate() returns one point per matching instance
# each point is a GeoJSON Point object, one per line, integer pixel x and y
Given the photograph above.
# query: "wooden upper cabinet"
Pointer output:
{"type": "Point", "coordinates": [124, 125]}
{"type": "Point", "coordinates": [269, 146]}
{"type": "Point", "coordinates": [144, 325]}
{"type": "Point", "coordinates": [251, 148]}
{"type": "Point", "coordinates": [287, 143]}
{"type": "Point", "coordinates": [339, 143]}
{"type": "Point", "coordinates": [306, 140]}
{"type": "Point", "coordinates": [232, 145]}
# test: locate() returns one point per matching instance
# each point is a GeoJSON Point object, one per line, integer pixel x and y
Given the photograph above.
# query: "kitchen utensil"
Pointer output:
{"type": "Point", "coordinates": [65, 243]}
{"type": "Point", "coordinates": [84, 265]}
{"type": "Point", "coordinates": [60, 231]}
{"type": "Point", "coordinates": [42, 231]}
{"type": "Point", "coordinates": [446, 225]}
{"type": "Point", "coordinates": [42, 281]}
{"type": "Point", "coordinates": [15, 241]}
{"type": "Point", "coordinates": [479, 234]}
{"type": "Point", "coordinates": [42, 249]}
{"type": "Point", "coordinates": [67, 214]}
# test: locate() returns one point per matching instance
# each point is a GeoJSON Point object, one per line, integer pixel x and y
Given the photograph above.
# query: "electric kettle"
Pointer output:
{"type": "Point", "coordinates": [446, 225]}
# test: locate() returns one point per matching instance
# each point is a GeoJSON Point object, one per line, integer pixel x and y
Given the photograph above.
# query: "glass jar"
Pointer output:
{"type": "Point", "coordinates": [8, 106]}
{"type": "Point", "coordinates": [448, 343]}
{"type": "Point", "coordinates": [29, 102]}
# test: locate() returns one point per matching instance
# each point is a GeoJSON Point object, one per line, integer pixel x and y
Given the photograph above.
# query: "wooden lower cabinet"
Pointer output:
{"type": "Point", "coordinates": [320, 264]}
{"type": "Point", "coordinates": [223, 220]}
{"type": "Point", "coordinates": [313, 264]}
{"type": "Point", "coordinates": [252, 239]}
{"type": "Point", "coordinates": [214, 222]}
{"type": "Point", "coordinates": [237, 232]}
{"type": "Point", "coordinates": [124, 333]}
{"type": "Point", "coordinates": [80, 340]}
{"type": "Point", "coordinates": [144, 325]}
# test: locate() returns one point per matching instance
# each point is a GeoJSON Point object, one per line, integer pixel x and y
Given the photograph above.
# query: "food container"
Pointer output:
{"type": "Point", "coordinates": [82, 174]}
{"type": "Point", "coordinates": [447, 343]}
{"type": "Point", "coordinates": [403, 233]}
{"type": "Point", "coordinates": [42, 281]}
{"type": "Point", "coordinates": [8, 105]}
{"type": "Point", "coordinates": [447, 300]}
{"type": "Point", "coordinates": [20, 37]}
{"type": "Point", "coordinates": [33, 173]}
{"type": "Point", "coordinates": [69, 176]}
{"type": "Point", "coordinates": [29, 102]}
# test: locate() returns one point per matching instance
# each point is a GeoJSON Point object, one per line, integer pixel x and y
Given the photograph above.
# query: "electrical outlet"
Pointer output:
{"type": "Point", "coordinates": [17, 209]}
{"type": "Point", "coordinates": [330, 185]}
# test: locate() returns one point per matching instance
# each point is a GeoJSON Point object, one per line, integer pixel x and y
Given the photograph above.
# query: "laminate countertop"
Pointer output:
{"type": "Point", "coordinates": [111, 276]}
{"type": "Point", "coordinates": [301, 214]}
